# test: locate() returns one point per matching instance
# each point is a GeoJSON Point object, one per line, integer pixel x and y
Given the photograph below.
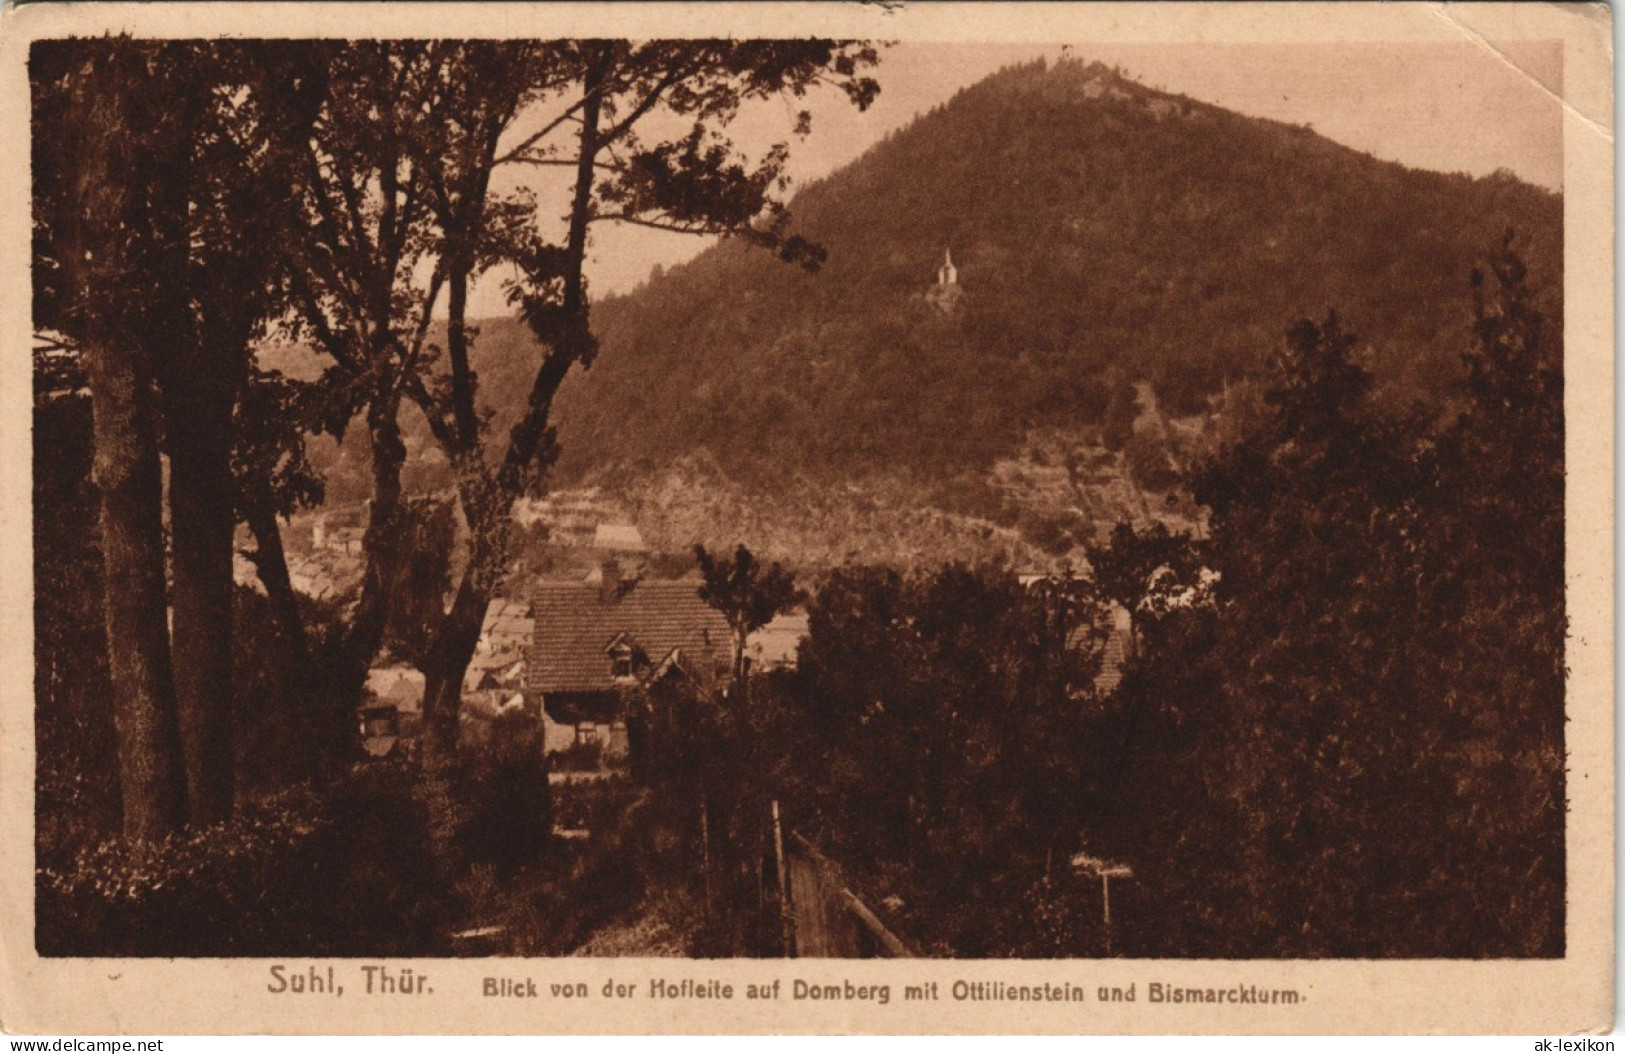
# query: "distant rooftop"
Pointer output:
{"type": "Point", "coordinates": [619, 537]}
{"type": "Point", "coordinates": [400, 686]}
{"type": "Point", "coordinates": [778, 643]}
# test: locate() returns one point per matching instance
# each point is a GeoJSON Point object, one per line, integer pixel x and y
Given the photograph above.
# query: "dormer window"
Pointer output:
{"type": "Point", "coordinates": [620, 662]}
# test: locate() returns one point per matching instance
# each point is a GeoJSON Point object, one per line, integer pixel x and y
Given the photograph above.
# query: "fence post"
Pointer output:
{"type": "Point", "coordinates": [705, 852]}
{"type": "Point", "coordinates": [787, 920]}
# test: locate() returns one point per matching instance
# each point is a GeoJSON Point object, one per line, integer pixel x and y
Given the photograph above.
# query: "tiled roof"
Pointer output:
{"type": "Point", "coordinates": [621, 537]}
{"type": "Point", "coordinates": [501, 609]}
{"type": "Point", "coordinates": [1115, 651]}
{"type": "Point", "coordinates": [576, 621]}
{"type": "Point", "coordinates": [325, 574]}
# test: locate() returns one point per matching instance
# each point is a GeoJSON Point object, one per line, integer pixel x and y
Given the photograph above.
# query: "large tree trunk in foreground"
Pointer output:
{"type": "Point", "coordinates": [126, 465]}
{"type": "Point", "coordinates": [128, 475]}
{"type": "Point", "coordinates": [130, 481]}
{"type": "Point", "coordinates": [459, 632]}
{"type": "Point", "coordinates": [202, 521]}
{"type": "Point", "coordinates": [301, 679]}
{"type": "Point", "coordinates": [447, 665]}
{"type": "Point", "coordinates": [345, 662]}
{"type": "Point", "coordinates": [199, 356]}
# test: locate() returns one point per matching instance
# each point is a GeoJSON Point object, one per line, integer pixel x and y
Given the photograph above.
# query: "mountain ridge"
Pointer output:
{"type": "Point", "coordinates": [1112, 242]}
{"type": "Point", "coordinates": [1104, 233]}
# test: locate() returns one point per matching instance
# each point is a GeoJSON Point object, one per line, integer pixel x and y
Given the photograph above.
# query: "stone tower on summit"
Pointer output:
{"type": "Point", "coordinates": [945, 295]}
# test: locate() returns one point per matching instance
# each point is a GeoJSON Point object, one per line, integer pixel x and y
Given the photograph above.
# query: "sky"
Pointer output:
{"type": "Point", "coordinates": [1453, 107]}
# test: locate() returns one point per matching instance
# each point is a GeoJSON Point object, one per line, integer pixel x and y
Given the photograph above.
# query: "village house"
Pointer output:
{"type": "Point", "coordinates": [618, 538]}
{"type": "Point", "coordinates": [601, 639]}
{"type": "Point", "coordinates": [494, 682]}
{"type": "Point", "coordinates": [325, 574]}
{"type": "Point", "coordinates": [777, 645]}
{"type": "Point", "coordinates": [1111, 632]}
{"type": "Point", "coordinates": [392, 709]}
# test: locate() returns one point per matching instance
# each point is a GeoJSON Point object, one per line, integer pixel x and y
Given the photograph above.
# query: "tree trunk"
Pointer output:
{"type": "Point", "coordinates": [487, 499]}
{"type": "Point", "coordinates": [302, 677]}
{"type": "Point", "coordinates": [466, 420]}
{"type": "Point", "coordinates": [575, 340]}
{"type": "Point", "coordinates": [486, 505]}
{"type": "Point", "coordinates": [447, 665]}
{"type": "Point", "coordinates": [202, 523]}
{"type": "Point", "coordinates": [741, 663]}
{"type": "Point", "coordinates": [458, 634]}
{"type": "Point", "coordinates": [198, 377]}
{"type": "Point", "coordinates": [384, 540]}
{"type": "Point", "coordinates": [98, 258]}
{"type": "Point", "coordinates": [130, 480]}
{"type": "Point", "coordinates": [271, 562]}
{"type": "Point", "coordinates": [346, 662]}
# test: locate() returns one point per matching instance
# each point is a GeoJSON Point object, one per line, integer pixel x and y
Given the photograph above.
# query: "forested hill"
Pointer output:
{"type": "Point", "coordinates": [1104, 233]}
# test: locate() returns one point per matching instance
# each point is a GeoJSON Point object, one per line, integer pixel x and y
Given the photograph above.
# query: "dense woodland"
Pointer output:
{"type": "Point", "coordinates": [1340, 727]}
{"type": "Point", "coordinates": [1104, 233]}
{"type": "Point", "coordinates": [1340, 732]}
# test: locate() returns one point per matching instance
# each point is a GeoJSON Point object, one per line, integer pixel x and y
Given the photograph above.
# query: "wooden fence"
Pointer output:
{"type": "Point", "coordinates": [826, 919]}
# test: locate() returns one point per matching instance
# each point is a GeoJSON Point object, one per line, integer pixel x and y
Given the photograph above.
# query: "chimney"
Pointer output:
{"type": "Point", "coordinates": [609, 586]}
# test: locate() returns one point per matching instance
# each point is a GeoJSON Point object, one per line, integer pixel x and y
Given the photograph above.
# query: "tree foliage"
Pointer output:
{"type": "Point", "coordinates": [192, 195]}
{"type": "Point", "coordinates": [1144, 572]}
{"type": "Point", "coordinates": [747, 594]}
{"type": "Point", "coordinates": [940, 743]}
{"type": "Point", "coordinates": [1368, 719]}
{"type": "Point", "coordinates": [400, 185]}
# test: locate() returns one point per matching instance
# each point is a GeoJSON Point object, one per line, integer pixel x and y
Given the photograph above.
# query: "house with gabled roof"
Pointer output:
{"type": "Point", "coordinates": [1110, 633]}
{"type": "Point", "coordinates": [777, 645]}
{"type": "Point", "coordinates": [601, 640]}
{"type": "Point", "coordinates": [1114, 652]}
{"type": "Point", "coordinates": [618, 538]}
{"type": "Point", "coordinates": [507, 626]}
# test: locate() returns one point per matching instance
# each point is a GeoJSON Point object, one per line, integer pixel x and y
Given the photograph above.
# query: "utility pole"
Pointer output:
{"type": "Point", "coordinates": [1093, 866]}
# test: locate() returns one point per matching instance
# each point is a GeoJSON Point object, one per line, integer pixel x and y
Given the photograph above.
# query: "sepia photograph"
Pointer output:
{"type": "Point", "coordinates": [690, 496]}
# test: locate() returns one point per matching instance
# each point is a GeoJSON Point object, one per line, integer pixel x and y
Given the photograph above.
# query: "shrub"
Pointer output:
{"type": "Point", "coordinates": [503, 794]}
{"type": "Point", "coordinates": [581, 757]}
{"type": "Point", "coordinates": [197, 893]}
{"type": "Point", "coordinates": [343, 872]}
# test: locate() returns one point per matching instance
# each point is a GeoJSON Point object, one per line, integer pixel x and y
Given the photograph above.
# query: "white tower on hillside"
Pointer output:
{"type": "Point", "coordinates": [947, 274]}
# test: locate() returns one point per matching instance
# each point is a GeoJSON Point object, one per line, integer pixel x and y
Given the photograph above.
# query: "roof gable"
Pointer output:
{"type": "Point", "coordinates": [576, 622]}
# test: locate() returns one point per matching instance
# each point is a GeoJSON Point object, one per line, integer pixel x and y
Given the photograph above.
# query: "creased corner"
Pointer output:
{"type": "Point", "coordinates": [1443, 13]}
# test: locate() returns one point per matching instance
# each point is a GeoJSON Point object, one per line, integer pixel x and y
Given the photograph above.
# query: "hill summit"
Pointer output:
{"type": "Point", "coordinates": [1034, 296]}
{"type": "Point", "coordinates": [1102, 233]}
